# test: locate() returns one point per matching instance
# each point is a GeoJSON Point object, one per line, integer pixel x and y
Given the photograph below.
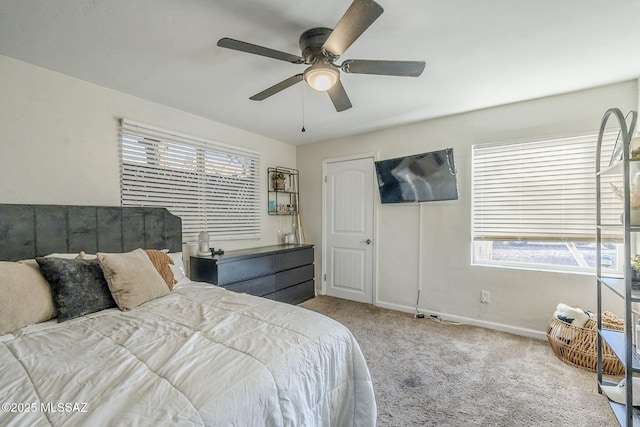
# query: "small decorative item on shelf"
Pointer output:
{"type": "Point", "coordinates": [635, 147]}
{"type": "Point", "coordinates": [634, 196]}
{"type": "Point", "coordinates": [637, 334]}
{"type": "Point", "coordinates": [278, 179]}
{"type": "Point", "coordinates": [635, 270]}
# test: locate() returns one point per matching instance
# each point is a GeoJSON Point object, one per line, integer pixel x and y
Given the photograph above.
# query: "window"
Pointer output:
{"type": "Point", "coordinates": [210, 185]}
{"type": "Point", "coordinates": [534, 204]}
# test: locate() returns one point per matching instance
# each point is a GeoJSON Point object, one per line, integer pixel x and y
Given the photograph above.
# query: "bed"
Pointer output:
{"type": "Point", "coordinates": [195, 355]}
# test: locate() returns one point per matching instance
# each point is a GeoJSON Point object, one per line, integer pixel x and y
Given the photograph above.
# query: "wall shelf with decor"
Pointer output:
{"type": "Point", "coordinates": [283, 191]}
{"type": "Point", "coordinates": [617, 181]}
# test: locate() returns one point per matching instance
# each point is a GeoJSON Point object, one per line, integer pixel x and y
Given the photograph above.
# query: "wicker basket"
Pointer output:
{"type": "Point", "coordinates": [578, 346]}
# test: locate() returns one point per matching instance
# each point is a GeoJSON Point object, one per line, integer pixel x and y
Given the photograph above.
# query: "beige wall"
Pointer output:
{"type": "Point", "coordinates": [521, 301]}
{"type": "Point", "coordinates": [60, 140]}
{"type": "Point", "coordinates": [60, 145]}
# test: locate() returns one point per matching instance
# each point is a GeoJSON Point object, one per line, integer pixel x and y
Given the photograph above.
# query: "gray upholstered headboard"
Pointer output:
{"type": "Point", "coordinates": [27, 231]}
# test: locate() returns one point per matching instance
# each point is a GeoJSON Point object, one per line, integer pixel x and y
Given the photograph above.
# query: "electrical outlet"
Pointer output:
{"type": "Point", "coordinates": [484, 297]}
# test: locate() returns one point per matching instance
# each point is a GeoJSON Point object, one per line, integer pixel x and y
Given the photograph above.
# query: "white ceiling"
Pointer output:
{"type": "Point", "coordinates": [479, 54]}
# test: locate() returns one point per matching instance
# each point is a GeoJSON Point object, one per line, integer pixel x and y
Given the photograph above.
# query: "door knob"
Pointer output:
{"type": "Point", "coordinates": [368, 241]}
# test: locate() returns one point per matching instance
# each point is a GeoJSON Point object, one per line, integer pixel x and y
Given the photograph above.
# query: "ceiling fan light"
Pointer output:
{"type": "Point", "coordinates": [321, 77]}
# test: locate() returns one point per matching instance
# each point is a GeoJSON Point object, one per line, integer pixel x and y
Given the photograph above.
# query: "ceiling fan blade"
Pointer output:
{"type": "Point", "coordinates": [384, 68]}
{"type": "Point", "coordinates": [339, 97]}
{"type": "Point", "coordinates": [259, 50]}
{"type": "Point", "coordinates": [360, 15]}
{"type": "Point", "coordinates": [277, 88]}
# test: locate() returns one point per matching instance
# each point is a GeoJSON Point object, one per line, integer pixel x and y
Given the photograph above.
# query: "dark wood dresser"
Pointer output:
{"type": "Point", "coordinates": [280, 272]}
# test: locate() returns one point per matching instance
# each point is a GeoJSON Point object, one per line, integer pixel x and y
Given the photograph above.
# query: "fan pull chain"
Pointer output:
{"type": "Point", "coordinates": [303, 129]}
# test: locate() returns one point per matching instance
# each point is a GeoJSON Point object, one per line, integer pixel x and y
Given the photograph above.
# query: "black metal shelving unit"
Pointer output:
{"type": "Point", "coordinates": [621, 167]}
{"type": "Point", "coordinates": [283, 200]}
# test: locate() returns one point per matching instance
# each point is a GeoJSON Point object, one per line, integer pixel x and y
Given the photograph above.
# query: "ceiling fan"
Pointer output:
{"type": "Point", "coordinates": [321, 47]}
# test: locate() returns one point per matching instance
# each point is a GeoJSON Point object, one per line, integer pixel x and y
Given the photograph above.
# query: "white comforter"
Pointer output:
{"type": "Point", "coordinates": [199, 356]}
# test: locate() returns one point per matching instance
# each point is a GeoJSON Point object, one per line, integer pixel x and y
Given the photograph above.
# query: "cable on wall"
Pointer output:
{"type": "Point", "coordinates": [418, 314]}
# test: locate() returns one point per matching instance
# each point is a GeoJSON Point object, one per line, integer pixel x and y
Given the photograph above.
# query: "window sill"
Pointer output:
{"type": "Point", "coordinates": [541, 269]}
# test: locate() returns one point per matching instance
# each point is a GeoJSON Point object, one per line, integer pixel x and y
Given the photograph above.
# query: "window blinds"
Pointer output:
{"type": "Point", "coordinates": [541, 190]}
{"type": "Point", "coordinates": [210, 185]}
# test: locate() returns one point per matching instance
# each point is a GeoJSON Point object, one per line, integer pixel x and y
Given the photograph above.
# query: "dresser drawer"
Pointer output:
{"type": "Point", "coordinates": [245, 269]}
{"type": "Point", "coordinates": [297, 294]}
{"type": "Point", "coordinates": [287, 278]}
{"type": "Point", "coordinates": [270, 296]}
{"type": "Point", "coordinates": [292, 259]}
{"type": "Point", "coordinates": [259, 287]}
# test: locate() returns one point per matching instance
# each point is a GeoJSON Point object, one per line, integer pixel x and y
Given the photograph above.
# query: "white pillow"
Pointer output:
{"type": "Point", "coordinates": [84, 255]}
{"type": "Point", "coordinates": [59, 255]}
{"type": "Point", "coordinates": [178, 266]}
{"type": "Point", "coordinates": [80, 255]}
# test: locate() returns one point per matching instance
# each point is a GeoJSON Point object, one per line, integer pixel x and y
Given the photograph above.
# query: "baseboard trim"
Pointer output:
{"type": "Point", "coordinates": [531, 333]}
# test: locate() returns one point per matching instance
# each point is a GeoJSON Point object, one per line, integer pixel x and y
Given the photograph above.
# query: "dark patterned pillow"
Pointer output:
{"type": "Point", "coordinates": [78, 286]}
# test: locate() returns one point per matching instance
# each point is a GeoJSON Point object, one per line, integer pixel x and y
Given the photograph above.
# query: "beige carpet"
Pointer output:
{"type": "Point", "coordinates": [432, 374]}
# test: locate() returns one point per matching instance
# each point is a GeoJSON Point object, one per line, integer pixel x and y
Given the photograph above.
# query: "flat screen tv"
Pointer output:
{"type": "Point", "coordinates": [422, 177]}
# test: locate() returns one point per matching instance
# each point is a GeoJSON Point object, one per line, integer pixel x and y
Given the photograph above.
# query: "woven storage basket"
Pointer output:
{"type": "Point", "coordinates": [578, 346]}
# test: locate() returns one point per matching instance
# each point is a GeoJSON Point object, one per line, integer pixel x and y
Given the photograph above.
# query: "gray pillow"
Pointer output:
{"type": "Point", "coordinates": [78, 286]}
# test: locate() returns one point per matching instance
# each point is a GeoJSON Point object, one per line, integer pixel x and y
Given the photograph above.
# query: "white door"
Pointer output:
{"type": "Point", "coordinates": [349, 229]}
